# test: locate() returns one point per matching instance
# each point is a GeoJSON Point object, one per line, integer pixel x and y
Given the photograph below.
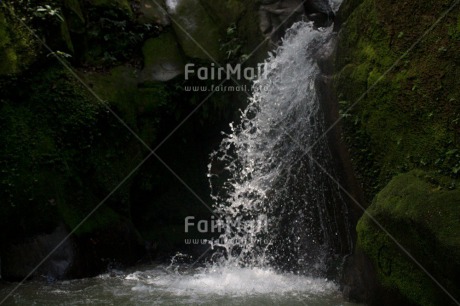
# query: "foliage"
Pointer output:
{"type": "Point", "coordinates": [60, 155]}
{"type": "Point", "coordinates": [47, 11]}
{"type": "Point", "coordinates": [113, 35]}
{"type": "Point", "coordinates": [17, 47]}
{"type": "Point", "coordinates": [400, 113]}
{"type": "Point", "coordinates": [232, 45]}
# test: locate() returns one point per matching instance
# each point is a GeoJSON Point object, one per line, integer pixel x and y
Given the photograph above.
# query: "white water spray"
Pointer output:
{"type": "Point", "coordinates": [264, 166]}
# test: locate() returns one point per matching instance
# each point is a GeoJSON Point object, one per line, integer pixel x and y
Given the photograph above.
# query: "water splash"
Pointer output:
{"type": "Point", "coordinates": [172, 5]}
{"type": "Point", "coordinates": [262, 168]}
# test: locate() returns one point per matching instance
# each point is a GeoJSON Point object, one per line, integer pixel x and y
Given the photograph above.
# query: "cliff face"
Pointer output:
{"type": "Point", "coordinates": [62, 152]}
{"type": "Point", "coordinates": [398, 87]}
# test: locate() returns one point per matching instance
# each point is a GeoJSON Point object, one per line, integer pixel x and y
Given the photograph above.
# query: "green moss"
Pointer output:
{"type": "Point", "coordinates": [17, 49]}
{"type": "Point", "coordinates": [101, 219]}
{"type": "Point", "coordinates": [197, 32]}
{"type": "Point", "coordinates": [114, 4]}
{"type": "Point", "coordinates": [422, 217]}
{"type": "Point", "coordinates": [75, 8]}
{"type": "Point", "coordinates": [41, 117]}
{"type": "Point", "coordinates": [161, 52]}
{"type": "Point", "coordinates": [60, 156]}
{"type": "Point", "coordinates": [119, 87]}
{"type": "Point", "coordinates": [226, 11]}
{"type": "Point", "coordinates": [407, 118]}
{"type": "Point", "coordinates": [400, 122]}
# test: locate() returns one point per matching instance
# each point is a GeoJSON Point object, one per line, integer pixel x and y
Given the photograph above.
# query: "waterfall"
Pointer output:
{"type": "Point", "coordinates": [263, 171]}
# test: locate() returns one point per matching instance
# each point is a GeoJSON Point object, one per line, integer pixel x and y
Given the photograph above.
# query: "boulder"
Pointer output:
{"type": "Point", "coordinates": [226, 12]}
{"type": "Point", "coordinates": [197, 32]}
{"type": "Point", "coordinates": [21, 259]}
{"type": "Point", "coordinates": [163, 59]}
{"type": "Point", "coordinates": [153, 12]}
{"type": "Point", "coordinates": [82, 254]}
{"type": "Point", "coordinates": [424, 218]}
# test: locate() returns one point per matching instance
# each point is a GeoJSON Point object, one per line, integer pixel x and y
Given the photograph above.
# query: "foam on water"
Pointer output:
{"type": "Point", "coordinates": [265, 166]}
{"type": "Point", "coordinates": [265, 174]}
{"type": "Point", "coordinates": [232, 281]}
{"type": "Point", "coordinates": [157, 285]}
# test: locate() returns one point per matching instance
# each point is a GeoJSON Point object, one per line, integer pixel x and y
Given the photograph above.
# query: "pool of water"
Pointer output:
{"type": "Point", "coordinates": [161, 285]}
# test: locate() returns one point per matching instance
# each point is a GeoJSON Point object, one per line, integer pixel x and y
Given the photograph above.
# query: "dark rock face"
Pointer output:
{"type": "Point", "coordinates": [391, 132]}
{"type": "Point", "coordinates": [69, 256]}
{"type": "Point", "coordinates": [115, 247]}
{"type": "Point", "coordinates": [423, 217]}
{"type": "Point", "coordinates": [361, 283]}
{"type": "Point", "coordinates": [278, 16]}
{"type": "Point", "coordinates": [20, 259]}
{"type": "Point", "coordinates": [319, 11]}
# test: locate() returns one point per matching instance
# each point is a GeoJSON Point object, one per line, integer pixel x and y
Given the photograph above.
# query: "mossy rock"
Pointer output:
{"type": "Point", "coordinates": [61, 155]}
{"type": "Point", "coordinates": [403, 111]}
{"type": "Point", "coordinates": [17, 48]}
{"type": "Point", "coordinates": [226, 11]}
{"type": "Point", "coordinates": [120, 88]}
{"type": "Point", "coordinates": [74, 16]}
{"type": "Point", "coordinates": [46, 120]}
{"type": "Point", "coordinates": [163, 59]}
{"type": "Point", "coordinates": [197, 32]}
{"type": "Point", "coordinates": [424, 218]}
{"type": "Point", "coordinates": [153, 12]}
{"type": "Point", "coordinates": [123, 5]}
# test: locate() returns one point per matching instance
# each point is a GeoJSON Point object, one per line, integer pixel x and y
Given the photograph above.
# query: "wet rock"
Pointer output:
{"type": "Point", "coordinates": [318, 6]}
{"type": "Point", "coordinates": [109, 250]}
{"type": "Point", "coordinates": [163, 59]}
{"type": "Point", "coordinates": [277, 16]}
{"type": "Point", "coordinates": [20, 259]}
{"type": "Point", "coordinates": [226, 11]}
{"type": "Point", "coordinates": [57, 256]}
{"type": "Point", "coordinates": [153, 12]}
{"type": "Point", "coordinates": [196, 31]}
{"type": "Point", "coordinates": [423, 218]}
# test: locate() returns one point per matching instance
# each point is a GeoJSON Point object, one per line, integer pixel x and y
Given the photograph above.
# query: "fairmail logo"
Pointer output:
{"type": "Point", "coordinates": [226, 225]}
{"type": "Point", "coordinates": [227, 72]}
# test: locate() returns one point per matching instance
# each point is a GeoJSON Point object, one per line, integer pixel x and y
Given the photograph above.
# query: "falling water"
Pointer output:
{"type": "Point", "coordinates": [265, 168]}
